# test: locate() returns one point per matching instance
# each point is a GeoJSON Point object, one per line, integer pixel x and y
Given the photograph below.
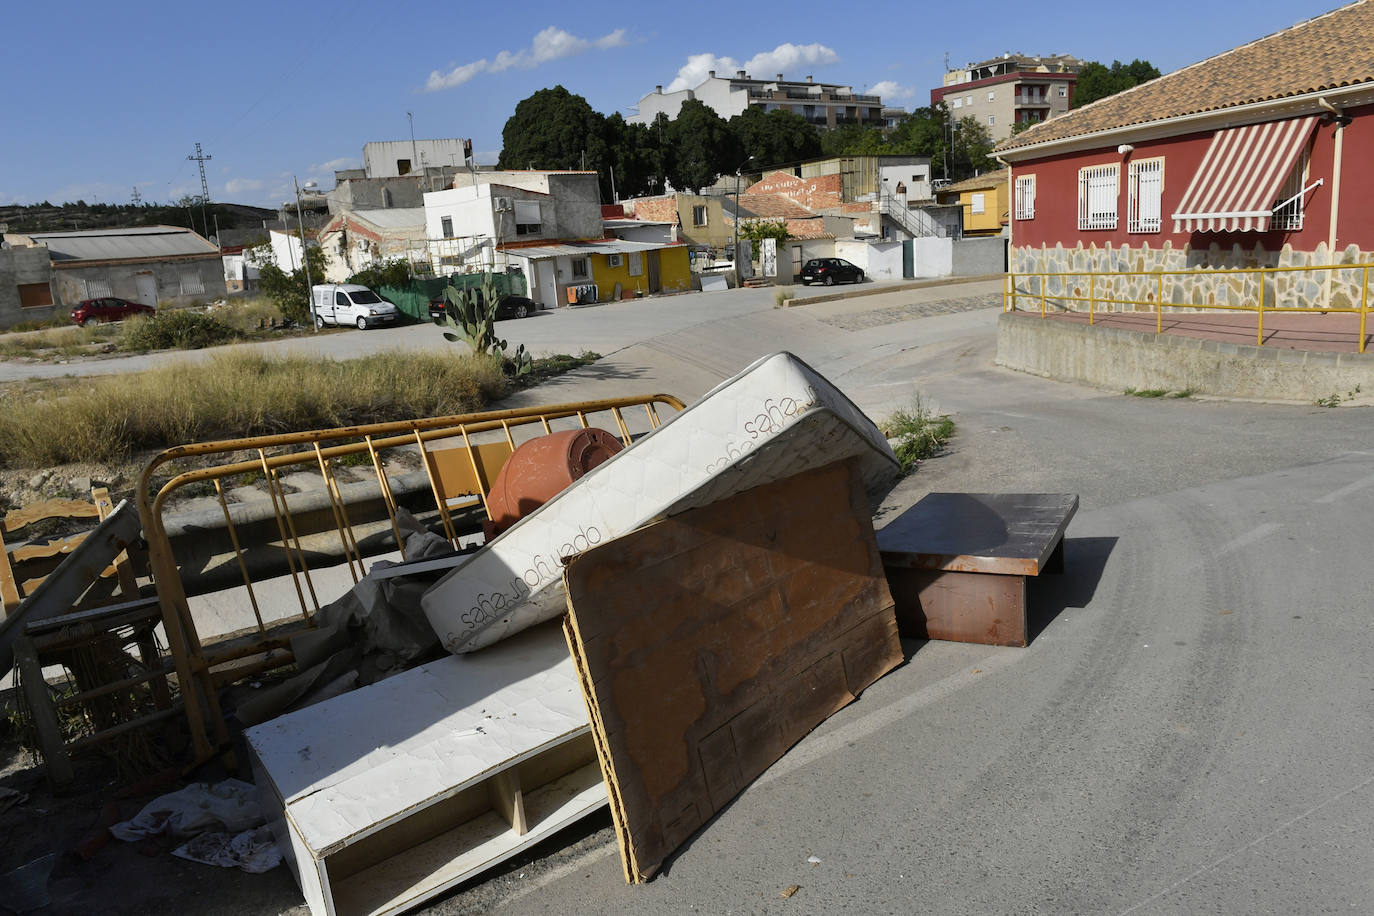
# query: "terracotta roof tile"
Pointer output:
{"type": "Point", "coordinates": [773, 206]}
{"type": "Point", "coordinates": [1329, 51]}
{"type": "Point", "coordinates": [976, 183]}
{"type": "Point", "coordinates": [813, 228]}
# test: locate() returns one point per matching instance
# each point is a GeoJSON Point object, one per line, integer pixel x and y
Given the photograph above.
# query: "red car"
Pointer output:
{"type": "Point", "coordinates": [93, 311]}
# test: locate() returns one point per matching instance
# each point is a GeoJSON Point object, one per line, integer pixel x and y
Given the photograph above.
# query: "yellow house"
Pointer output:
{"type": "Point", "coordinates": [653, 269]}
{"type": "Point", "coordinates": [600, 270]}
{"type": "Point", "coordinates": [984, 201]}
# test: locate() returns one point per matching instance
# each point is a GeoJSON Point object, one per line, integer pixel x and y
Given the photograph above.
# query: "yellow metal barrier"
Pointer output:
{"type": "Point", "coordinates": [458, 474]}
{"type": "Point", "coordinates": [1011, 293]}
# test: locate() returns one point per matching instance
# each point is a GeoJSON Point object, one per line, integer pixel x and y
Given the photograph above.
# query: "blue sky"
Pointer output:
{"type": "Point", "coordinates": [101, 97]}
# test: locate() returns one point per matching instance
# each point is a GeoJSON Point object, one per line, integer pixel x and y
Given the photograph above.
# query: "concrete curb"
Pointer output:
{"type": "Point", "coordinates": [855, 293]}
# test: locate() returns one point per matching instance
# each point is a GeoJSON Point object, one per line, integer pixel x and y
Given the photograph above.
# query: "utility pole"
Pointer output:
{"type": "Point", "coordinates": [414, 156]}
{"type": "Point", "coordinates": [200, 159]}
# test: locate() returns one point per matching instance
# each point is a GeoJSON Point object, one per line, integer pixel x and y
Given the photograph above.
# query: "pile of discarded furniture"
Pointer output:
{"type": "Point", "coordinates": [568, 607]}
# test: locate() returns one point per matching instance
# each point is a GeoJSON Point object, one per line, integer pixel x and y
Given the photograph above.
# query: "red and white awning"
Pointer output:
{"type": "Point", "coordinates": [1236, 186]}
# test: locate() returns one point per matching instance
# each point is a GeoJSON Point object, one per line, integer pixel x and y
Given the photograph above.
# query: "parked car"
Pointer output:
{"type": "Point", "coordinates": [508, 306]}
{"type": "Point", "coordinates": [90, 312]}
{"type": "Point", "coordinates": [830, 271]}
{"type": "Point", "coordinates": [349, 303]}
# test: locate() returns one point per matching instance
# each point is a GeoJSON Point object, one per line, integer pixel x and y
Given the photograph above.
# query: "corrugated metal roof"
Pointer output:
{"type": "Point", "coordinates": [119, 244]}
{"type": "Point", "coordinates": [578, 249]}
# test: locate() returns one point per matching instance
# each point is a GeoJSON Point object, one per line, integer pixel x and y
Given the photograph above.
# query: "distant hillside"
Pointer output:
{"type": "Point", "coordinates": [46, 217]}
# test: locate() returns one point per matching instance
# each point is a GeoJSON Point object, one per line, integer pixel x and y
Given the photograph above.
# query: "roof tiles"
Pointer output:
{"type": "Point", "coordinates": [1329, 51]}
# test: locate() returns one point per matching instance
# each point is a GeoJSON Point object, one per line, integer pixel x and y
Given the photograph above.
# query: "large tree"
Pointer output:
{"type": "Point", "coordinates": [1096, 81]}
{"type": "Point", "coordinates": [775, 138]}
{"type": "Point", "coordinates": [555, 129]}
{"type": "Point", "coordinates": [637, 156]}
{"type": "Point", "coordinates": [703, 148]}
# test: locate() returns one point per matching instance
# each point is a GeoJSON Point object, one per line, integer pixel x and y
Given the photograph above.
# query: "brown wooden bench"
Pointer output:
{"type": "Point", "coordinates": [957, 563]}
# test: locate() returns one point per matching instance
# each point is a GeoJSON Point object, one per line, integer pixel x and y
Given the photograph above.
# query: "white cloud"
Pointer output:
{"type": "Point", "coordinates": [455, 77]}
{"type": "Point", "coordinates": [891, 89]}
{"type": "Point", "coordinates": [764, 65]}
{"type": "Point", "coordinates": [243, 185]}
{"type": "Point", "coordinates": [334, 165]}
{"type": "Point", "coordinates": [550, 44]}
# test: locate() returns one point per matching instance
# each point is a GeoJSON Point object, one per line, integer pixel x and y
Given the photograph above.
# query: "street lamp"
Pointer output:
{"type": "Point", "coordinates": [953, 126]}
{"type": "Point", "coordinates": [305, 261]}
{"type": "Point", "coordinates": [734, 245]}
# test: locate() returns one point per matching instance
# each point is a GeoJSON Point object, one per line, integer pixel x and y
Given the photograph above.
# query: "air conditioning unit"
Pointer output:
{"type": "Point", "coordinates": [614, 260]}
{"type": "Point", "coordinates": [502, 204]}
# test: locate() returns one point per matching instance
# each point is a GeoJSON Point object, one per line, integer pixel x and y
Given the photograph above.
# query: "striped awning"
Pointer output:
{"type": "Point", "coordinates": [1236, 186]}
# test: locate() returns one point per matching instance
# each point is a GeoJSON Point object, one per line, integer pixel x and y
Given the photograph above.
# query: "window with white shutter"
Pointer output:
{"type": "Point", "coordinates": [1098, 189]}
{"type": "Point", "coordinates": [1145, 189]}
{"type": "Point", "coordinates": [1025, 197]}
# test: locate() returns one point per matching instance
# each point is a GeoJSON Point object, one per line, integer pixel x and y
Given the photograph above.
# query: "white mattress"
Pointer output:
{"type": "Point", "coordinates": [775, 419]}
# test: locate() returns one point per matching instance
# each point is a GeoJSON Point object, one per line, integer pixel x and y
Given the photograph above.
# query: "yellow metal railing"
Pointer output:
{"type": "Point", "coordinates": [1018, 286]}
{"type": "Point", "coordinates": [458, 467]}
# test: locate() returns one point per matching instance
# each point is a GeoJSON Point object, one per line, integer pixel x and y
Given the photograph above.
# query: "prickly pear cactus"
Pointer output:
{"type": "Point", "coordinates": [472, 316]}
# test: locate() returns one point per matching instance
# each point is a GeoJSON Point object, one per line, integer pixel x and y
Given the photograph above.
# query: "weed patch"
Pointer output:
{"type": "Point", "coordinates": [180, 329]}
{"type": "Point", "coordinates": [782, 295]}
{"type": "Point", "coordinates": [920, 434]}
{"type": "Point", "coordinates": [233, 395]}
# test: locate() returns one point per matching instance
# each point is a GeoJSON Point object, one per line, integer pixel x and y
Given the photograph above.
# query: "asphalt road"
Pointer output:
{"type": "Point", "coordinates": [1189, 730]}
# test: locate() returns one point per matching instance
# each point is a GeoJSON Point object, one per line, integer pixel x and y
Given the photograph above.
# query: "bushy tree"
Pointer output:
{"type": "Point", "coordinates": [555, 129]}
{"type": "Point", "coordinates": [392, 272]}
{"type": "Point", "coordinates": [1096, 81]}
{"type": "Point", "coordinates": [636, 154]}
{"type": "Point", "coordinates": [776, 137]}
{"type": "Point", "coordinates": [289, 291]}
{"type": "Point", "coordinates": [703, 147]}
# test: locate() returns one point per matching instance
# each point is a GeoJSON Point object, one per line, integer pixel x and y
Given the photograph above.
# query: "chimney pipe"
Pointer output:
{"type": "Point", "coordinates": [808, 77]}
{"type": "Point", "coordinates": [659, 89]}
{"type": "Point", "coordinates": [712, 73]}
{"type": "Point", "coordinates": [780, 77]}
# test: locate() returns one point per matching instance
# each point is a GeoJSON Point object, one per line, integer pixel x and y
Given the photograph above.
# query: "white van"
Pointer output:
{"type": "Point", "coordinates": [349, 303]}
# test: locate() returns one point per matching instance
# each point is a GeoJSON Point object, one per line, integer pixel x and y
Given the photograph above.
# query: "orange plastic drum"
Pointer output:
{"type": "Point", "coordinates": [540, 469]}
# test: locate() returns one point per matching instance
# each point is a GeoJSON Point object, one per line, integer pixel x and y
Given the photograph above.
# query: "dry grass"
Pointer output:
{"type": "Point", "coordinates": [64, 341]}
{"type": "Point", "coordinates": [248, 314]}
{"type": "Point", "coordinates": [235, 394]}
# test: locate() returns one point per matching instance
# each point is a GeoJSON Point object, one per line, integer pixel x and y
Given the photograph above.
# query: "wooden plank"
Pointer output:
{"type": "Point", "coordinates": [453, 468]}
{"type": "Point", "coordinates": [69, 582]}
{"type": "Point", "coordinates": [960, 607]}
{"type": "Point", "coordinates": [1000, 533]}
{"type": "Point", "coordinates": [52, 508]}
{"type": "Point", "coordinates": [45, 722]}
{"type": "Point", "coordinates": [503, 790]}
{"type": "Point", "coordinates": [710, 643]}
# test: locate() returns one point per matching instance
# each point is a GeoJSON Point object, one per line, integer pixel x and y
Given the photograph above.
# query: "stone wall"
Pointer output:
{"type": "Point", "coordinates": [1132, 275]}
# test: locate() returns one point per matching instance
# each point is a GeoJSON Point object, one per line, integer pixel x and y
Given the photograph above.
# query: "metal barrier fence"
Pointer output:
{"type": "Point", "coordinates": [1270, 285]}
{"type": "Point", "coordinates": [459, 472]}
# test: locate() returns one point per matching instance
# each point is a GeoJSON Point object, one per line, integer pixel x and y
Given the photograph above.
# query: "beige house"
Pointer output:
{"type": "Point", "coordinates": [700, 220]}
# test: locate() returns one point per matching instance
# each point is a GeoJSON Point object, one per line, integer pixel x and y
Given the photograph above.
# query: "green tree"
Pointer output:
{"type": "Point", "coordinates": [756, 230]}
{"type": "Point", "coordinates": [1096, 81]}
{"type": "Point", "coordinates": [636, 155]}
{"type": "Point", "coordinates": [289, 291]}
{"type": "Point", "coordinates": [776, 137]}
{"type": "Point", "coordinates": [971, 152]}
{"type": "Point", "coordinates": [703, 147]}
{"type": "Point", "coordinates": [555, 129]}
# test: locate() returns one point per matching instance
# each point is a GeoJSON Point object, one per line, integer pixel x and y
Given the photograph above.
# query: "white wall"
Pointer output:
{"type": "Point", "coordinates": [916, 178]}
{"type": "Point", "coordinates": [379, 158]}
{"type": "Point", "coordinates": [879, 260]}
{"type": "Point", "coordinates": [655, 103]}
{"type": "Point", "coordinates": [934, 257]}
